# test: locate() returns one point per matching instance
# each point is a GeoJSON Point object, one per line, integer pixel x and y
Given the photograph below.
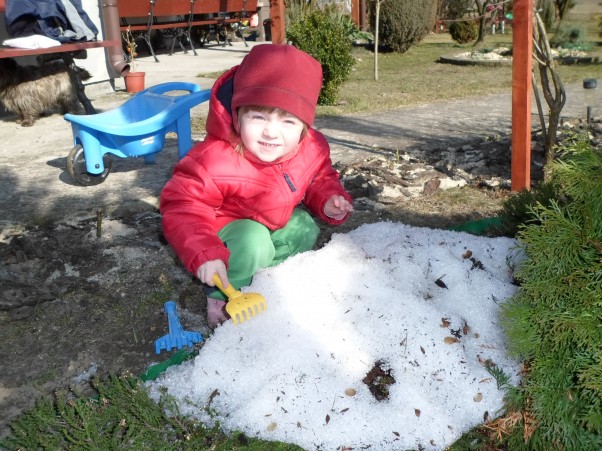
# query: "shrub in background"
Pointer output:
{"type": "Point", "coordinates": [569, 37]}
{"type": "Point", "coordinates": [324, 37]}
{"type": "Point", "coordinates": [463, 32]}
{"type": "Point", "coordinates": [403, 23]}
{"type": "Point", "coordinates": [553, 322]}
{"type": "Point", "coordinates": [547, 12]}
{"type": "Point", "coordinates": [454, 9]}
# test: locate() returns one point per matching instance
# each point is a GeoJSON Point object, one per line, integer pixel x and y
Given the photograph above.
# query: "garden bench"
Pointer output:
{"type": "Point", "coordinates": [67, 52]}
{"type": "Point", "coordinates": [180, 17]}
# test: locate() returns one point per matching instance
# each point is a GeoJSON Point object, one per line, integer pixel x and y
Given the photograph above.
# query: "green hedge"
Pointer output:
{"type": "Point", "coordinates": [325, 37]}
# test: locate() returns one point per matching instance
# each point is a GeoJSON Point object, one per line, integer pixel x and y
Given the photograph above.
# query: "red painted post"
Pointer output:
{"type": "Point", "coordinates": [277, 14]}
{"type": "Point", "coordinates": [522, 67]}
{"type": "Point", "coordinates": [355, 12]}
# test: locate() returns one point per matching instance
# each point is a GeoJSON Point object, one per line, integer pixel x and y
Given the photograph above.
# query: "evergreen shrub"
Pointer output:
{"type": "Point", "coordinates": [454, 9]}
{"type": "Point", "coordinates": [518, 209]}
{"type": "Point", "coordinates": [403, 23]}
{"type": "Point", "coordinates": [463, 32]}
{"type": "Point", "coordinates": [553, 323]}
{"type": "Point", "coordinates": [324, 36]}
{"type": "Point", "coordinates": [570, 37]}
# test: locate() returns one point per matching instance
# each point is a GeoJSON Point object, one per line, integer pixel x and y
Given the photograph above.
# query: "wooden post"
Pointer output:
{"type": "Point", "coordinates": [522, 71]}
{"type": "Point", "coordinates": [355, 12]}
{"type": "Point", "coordinates": [277, 14]}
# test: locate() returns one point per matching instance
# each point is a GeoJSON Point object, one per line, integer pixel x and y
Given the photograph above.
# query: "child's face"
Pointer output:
{"type": "Point", "coordinates": [270, 136]}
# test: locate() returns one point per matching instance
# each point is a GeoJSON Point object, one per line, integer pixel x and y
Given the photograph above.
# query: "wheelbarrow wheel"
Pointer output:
{"type": "Point", "coordinates": [76, 167]}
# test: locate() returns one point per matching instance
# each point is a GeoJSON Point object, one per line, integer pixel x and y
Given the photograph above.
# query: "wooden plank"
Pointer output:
{"type": "Point", "coordinates": [171, 7]}
{"type": "Point", "coordinates": [12, 52]}
{"type": "Point", "coordinates": [224, 6]}
{"type": "Point", "coordinates": [134, 8]}
{"type": "Point", "coordinates": [522, 71]}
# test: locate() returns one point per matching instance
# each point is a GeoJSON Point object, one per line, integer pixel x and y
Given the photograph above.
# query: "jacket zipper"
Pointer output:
{"type": "Point", "coordinates": [289, 182]}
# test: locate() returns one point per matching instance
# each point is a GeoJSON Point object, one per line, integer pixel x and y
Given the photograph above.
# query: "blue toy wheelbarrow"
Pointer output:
{"type": "Point", "coordinates": [135, 129]}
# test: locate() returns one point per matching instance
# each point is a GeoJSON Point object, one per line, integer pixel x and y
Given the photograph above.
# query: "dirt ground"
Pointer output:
{"type": "Point", "coordinates": [77, 305]}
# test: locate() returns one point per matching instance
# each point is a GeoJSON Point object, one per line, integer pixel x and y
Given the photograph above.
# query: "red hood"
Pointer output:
{"type": "Point", "coordinates": [220, 121]}
{"type": "Point", "coordinates": [219, 118]}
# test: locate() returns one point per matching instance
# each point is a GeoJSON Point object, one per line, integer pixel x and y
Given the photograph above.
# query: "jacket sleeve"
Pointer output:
{"type": "Point", "coordinates": [188, 203]}
{"type": "Point", "coordinates": [324, 184]}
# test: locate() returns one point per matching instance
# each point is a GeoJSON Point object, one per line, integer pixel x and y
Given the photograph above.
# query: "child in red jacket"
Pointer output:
{"type": "Point", "coordinates": [232, 206]}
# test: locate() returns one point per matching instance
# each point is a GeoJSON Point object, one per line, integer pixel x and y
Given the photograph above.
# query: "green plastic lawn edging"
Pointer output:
{"type": "Point", "coordinates": [180, 356]}
{"type": "Point", "coordinates": [478, 227]}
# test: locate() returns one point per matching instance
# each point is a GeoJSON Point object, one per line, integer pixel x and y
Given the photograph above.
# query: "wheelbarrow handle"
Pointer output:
{"type": "Point", "coordinates": [162, 88]}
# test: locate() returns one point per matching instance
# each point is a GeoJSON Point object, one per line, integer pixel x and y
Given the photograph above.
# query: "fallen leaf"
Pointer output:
{"type": "Point", "coordinates": [272, 426]}
{"type": "Point", "coordinates": [467, 254]}
{"type": "Point", "coordinates": [344, 410]}
{"type": "Point", "coordinates": [487, 379]}
{"type": "Point", "coordinates": [478, 397]}
{"type": "Point", "coordinates": [417, 412]}
{"type": "Point", "coordinates": [440, 282]}
{"type": "Point", "coordinates": [445, 322]}
{"type": "Point", "coordinates": [422, 349]}
{"type": "Point", "coordinates": [465, 328]}
{"type": "Point", "coordinates": [327, 419]}
{"type": "Point", "coordinates": [350, 392]}
{"type": "Point", "coordinates": [450, 340]}
{"type": "Point", "coordinates": [396, 434]}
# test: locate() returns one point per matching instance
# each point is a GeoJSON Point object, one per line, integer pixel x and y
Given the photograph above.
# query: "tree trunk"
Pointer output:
{"type": "Point", "coordinates": [481, 6]}
{"type": "Point", "coordinates": [551, 84]}
{"type": "Point", "coordinates": [376, 39]}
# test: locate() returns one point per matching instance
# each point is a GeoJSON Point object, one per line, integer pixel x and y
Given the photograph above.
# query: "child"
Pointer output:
{"type": "Point", "coordinates": [231, 206]}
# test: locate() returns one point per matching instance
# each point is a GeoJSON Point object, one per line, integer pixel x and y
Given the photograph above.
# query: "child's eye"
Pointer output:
{"type": "Point", "coordinates": [290, 120]}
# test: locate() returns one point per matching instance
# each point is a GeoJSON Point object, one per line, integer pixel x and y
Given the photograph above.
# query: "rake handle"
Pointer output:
{"type": "Point", "coordinates": [228, 291]}
{"type": "Point", "coordinates": [175, 326]}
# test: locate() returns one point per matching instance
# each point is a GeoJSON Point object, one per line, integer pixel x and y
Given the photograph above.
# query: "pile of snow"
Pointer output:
{"type": "Point", "coordinates": [421, 303]}
{"type": "Point", "coordinates": [497, 54]}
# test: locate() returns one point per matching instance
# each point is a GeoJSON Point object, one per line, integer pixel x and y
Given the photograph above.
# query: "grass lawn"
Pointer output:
{"type": "Point", "coordinates": [417, 76]}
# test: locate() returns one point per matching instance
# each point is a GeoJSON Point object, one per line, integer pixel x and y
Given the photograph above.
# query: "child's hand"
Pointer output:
{"type": "Point", "coordinates": [337, 207]}
{"type": "Point", "coordinates": [207, 269]}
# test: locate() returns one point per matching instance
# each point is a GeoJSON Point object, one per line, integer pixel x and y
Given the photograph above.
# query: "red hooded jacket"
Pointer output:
{"type": "Point", "coordinates": [214, 185]}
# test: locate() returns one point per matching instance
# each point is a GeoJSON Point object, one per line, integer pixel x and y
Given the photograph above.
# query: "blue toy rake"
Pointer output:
{"type": "Point", "coordinates": [177, 336]}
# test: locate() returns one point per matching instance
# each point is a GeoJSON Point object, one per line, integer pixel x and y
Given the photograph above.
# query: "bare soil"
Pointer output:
{"type": "Point", "coordinates": [81, 301]}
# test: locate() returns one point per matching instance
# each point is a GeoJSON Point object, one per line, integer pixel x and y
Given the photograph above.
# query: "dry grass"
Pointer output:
{"type": "Point", "coordinates": [417, 76]}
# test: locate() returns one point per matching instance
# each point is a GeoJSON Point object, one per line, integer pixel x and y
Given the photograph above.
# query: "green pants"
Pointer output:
{"type": "Point", "coordinates": [253, 246]}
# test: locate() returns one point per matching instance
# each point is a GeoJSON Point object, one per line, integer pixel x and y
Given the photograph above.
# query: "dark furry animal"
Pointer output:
{"type": "Point", "coordinates": [31, 91]}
